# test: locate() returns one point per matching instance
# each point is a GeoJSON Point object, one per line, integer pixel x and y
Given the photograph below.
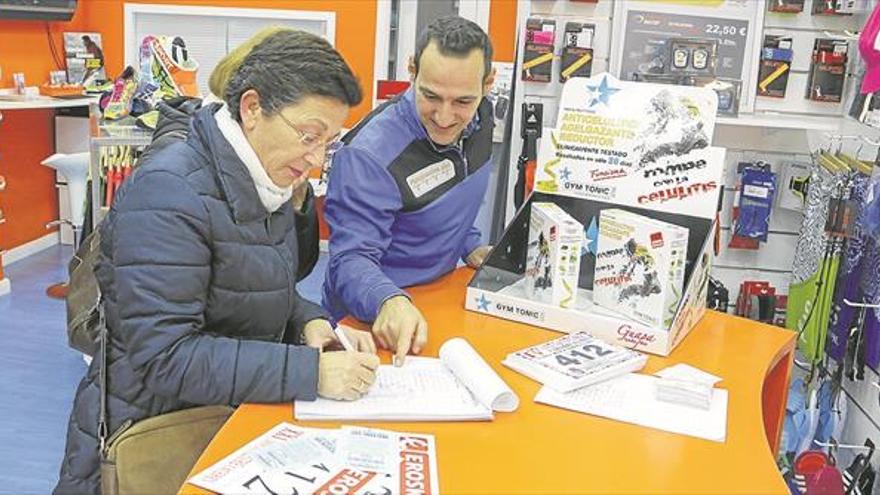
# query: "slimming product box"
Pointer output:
{"type": "Point", "coordinates": [640, 264]}
{"type": "Point", "coordinates": [554, 256]}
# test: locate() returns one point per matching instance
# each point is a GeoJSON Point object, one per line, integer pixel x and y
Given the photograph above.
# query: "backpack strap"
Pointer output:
{"type": "Point", "coordinates": [103, 429]}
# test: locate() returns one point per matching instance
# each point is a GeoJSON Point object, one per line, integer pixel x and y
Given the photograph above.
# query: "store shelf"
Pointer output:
{"type": "Point", "coordinates": [39, 102]}
{"type": "Point", "coordinates": [111, 134]}
{"type": "Point", "coordinates": [121, 135]}
{"type": "Point", "coordinates": [783, 121]}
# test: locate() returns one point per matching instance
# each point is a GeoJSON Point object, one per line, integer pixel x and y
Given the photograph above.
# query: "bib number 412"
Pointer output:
{"type": "Point", "coordinates": [590, 352]}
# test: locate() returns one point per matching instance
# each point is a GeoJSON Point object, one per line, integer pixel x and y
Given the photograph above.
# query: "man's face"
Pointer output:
{"type": "Point", "coordinates": [448, 92]}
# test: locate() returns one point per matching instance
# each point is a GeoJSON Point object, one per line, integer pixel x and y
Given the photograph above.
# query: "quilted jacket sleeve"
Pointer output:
{"type": "Point", "coordinates": [162, 260]}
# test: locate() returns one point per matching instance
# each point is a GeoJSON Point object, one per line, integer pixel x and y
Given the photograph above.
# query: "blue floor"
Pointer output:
{"type": "Point", "coordinates": [39, 375]}
{"type": "Point", "coordinates": [39, 372]}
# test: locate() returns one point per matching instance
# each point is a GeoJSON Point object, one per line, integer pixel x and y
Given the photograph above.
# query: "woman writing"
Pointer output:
{"type": "Point", "coordinates": [199, 255]}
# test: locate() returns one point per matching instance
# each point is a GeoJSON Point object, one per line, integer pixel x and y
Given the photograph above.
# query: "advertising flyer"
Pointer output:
{"type": "Point", "coordinates": [350, 460]}
{"type": "Point", "coordinates": [633, 144]}
{"type": "Point", "coordinates": [645, 48]}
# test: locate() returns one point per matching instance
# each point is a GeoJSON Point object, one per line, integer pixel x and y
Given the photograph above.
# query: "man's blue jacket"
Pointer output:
{"type": "Point", "coordinates": [401, 209]}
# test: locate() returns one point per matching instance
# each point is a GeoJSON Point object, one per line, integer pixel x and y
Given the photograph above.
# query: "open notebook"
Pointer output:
{"type": "Point", "coordinates": [459, 386]}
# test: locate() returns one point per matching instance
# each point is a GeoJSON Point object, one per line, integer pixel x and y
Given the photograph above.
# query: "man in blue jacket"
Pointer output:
{"type": "Point", "coordinates": [404, 192]}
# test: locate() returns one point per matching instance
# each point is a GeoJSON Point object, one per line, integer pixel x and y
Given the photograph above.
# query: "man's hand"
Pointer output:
{"type": "Point", "coordinates": [477, 256]}
{"type": "Point", "coordinates": [319, 334]}
{"type": "Point", "coordinates": [400, 327]}
{"type": "Point", "coordinates": [346, 375]}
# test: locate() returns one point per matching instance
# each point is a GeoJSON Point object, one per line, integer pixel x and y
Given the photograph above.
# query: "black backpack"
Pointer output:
{"type": "Point", "coordinates": [84, 297]}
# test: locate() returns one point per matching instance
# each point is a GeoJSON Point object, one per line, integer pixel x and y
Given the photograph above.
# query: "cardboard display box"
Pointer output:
{"type": "Point", "coordinates": [554, 254]}
{"type": "Point", "coordinates": [639, 267]}
{"type": "Point", "coordinates": [639, 147]}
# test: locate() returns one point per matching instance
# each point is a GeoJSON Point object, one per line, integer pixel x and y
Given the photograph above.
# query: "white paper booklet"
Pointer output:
{"type": "Point", "coordinates": [457, 387]}
{"type": "Point", "coordinates": [358, 461]}
{"type": "Point", "coordinates": [631, 399]}
{"type": "Point", "coordinates": [574, 361]}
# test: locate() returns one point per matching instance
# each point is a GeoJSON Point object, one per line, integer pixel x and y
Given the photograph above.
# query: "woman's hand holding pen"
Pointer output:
{"type": "Point", "coordinates": [346, 374]}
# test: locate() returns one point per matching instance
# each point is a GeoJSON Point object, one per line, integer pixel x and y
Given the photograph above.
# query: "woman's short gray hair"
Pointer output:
{"type": "Point", "coordinates": [290, 65]}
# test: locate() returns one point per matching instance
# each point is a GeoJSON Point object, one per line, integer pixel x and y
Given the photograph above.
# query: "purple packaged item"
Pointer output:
{"type": "Point", "coordinates": [870, 285]}
{"type": "Point", "coordinates": [848, 276]}
{"type": "Point", "coordinates": [871, 275]}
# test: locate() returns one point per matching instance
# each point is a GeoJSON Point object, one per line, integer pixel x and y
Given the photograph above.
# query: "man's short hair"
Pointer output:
{"type": "Point", "coordinates": [287, 66]}
{"type": "Point", "coordinates": [455, 36]}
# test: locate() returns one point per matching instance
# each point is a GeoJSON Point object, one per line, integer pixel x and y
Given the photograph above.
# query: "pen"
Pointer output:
{"type": "Point", "coordinates": [343, 339]}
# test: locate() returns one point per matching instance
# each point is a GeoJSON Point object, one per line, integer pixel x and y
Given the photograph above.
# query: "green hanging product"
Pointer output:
{"type": "Point", "coordinates": [816, 262]}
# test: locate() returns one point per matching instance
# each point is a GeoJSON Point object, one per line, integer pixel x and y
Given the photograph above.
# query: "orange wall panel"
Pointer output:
{"type": "Point", "coordinates": [502, 29]}
{"type": "Point", "coordinates": [30, 199]}
{"type": "Point", "coordinates": [24, 47]}
{"type": "Point", "coordinates": [355, 31]}
{"type": "Point", "coordinates": [26, 136]}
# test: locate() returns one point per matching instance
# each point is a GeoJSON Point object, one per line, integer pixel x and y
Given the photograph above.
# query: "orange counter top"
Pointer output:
{"type": "Point", "coordinates": [543, 449]}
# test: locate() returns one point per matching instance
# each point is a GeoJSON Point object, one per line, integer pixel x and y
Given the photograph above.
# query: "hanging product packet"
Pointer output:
{"type": "Point", "coordinates": [738, 241]}
{"type": "Point", "coordinates": [756, 202]}
{"type": "Point", "coordinates": [868, 343]}
{"type": "Point", "coordinates": [870, 282]}
{"type": "Point", "coordinates": [849, 274]}
{"type": "Point", "coordinates": [815, 264]}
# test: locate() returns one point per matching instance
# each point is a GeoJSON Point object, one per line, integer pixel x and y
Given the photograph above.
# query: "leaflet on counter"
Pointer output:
{"type": "Point", "coordinates": [350, 460]}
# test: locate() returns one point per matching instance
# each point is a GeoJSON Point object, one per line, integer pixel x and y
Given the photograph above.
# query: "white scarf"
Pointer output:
{"type": "Point", "coordinates": [271, 195]}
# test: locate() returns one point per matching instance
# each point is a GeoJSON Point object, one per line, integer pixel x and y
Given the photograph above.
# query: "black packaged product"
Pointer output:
{"type": "Point", "coordinates": [866, 109]}
{"type": "Point", "coordinates": [827, 7]}
{"type": "Point", "coordinates": [828, 70]}
{"type": "Point", "coordinates": [577, 52]}
{"type": "Point", "coordinates": [785, 6]}
{"type": "Point", "coordinates": [538, 59]}
{"type": "Point", "coordinates": [775, 66]}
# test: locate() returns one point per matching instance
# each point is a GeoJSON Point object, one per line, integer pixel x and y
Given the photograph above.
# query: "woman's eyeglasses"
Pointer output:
{"type": "Point", "coordinates": [313, 142]}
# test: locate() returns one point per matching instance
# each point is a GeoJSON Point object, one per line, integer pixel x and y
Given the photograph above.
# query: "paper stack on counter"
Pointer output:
{"type": "Point", "coordinates": [686, 385]}
{"type": "Point", "coordinates": [634, 398]}
{"type": "Point", "coordinates": [684, 392]}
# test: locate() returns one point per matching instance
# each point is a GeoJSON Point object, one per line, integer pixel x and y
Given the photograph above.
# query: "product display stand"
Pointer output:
{"type": "Point", "coordinates": [640, 147]}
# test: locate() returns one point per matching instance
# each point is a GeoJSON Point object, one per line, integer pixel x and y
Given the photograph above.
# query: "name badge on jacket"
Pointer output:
{"type": "Point", "coordinates": [431, 177]}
